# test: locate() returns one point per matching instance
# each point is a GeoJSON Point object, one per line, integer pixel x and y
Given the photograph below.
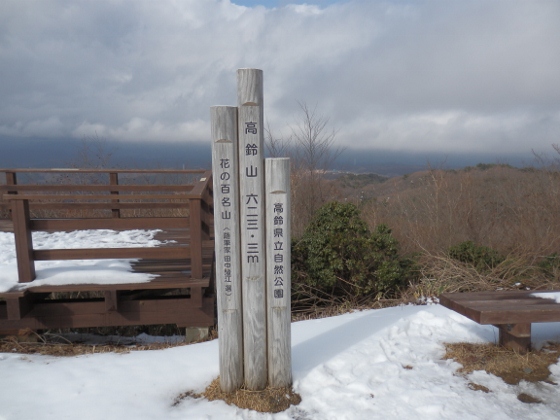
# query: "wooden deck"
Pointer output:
{"type": "Point", "coordinates": [182, 292]}
{"type": "Point", "coordinates": [512, 312]}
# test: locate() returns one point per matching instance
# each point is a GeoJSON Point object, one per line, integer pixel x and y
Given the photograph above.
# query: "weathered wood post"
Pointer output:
{"type": "Point", "coordinates": [226, 226]}
{"type": "Point", "coordinates": [114, 180]}
{"type": "Point", "coordinates": [251, 181]}
{"type": "Point", "coordinates": [23, 241]}
{"type": "Point", "coordinates": [278, 271]}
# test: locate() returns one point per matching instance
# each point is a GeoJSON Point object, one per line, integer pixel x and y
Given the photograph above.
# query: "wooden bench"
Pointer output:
{"type": "Point", "coordinates": [182, 291]}
{"type": "Point", "coordinates": [512, 312]}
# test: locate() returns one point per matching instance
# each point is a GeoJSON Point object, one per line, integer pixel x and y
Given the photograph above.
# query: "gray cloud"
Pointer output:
{"type": "Point", "coordinates": [443, 75]}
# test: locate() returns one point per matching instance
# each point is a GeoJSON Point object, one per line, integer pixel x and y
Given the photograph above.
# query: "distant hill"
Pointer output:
{"type": "Point", "coordinates": [20, 152]}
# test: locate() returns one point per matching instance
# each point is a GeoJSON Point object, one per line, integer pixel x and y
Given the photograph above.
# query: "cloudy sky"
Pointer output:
{"type": "Point", "coordinates": [456, 76]}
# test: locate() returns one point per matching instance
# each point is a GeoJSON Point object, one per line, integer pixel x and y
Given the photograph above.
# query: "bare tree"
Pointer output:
{"type": "Point", "coordinates": [314, 141]}
{"type": "Point", "coordinates": [277, 146]}
{"type": "Point", "coordinates": [312, 151]}
{"type": "Point", "coordinates": [94, 153]}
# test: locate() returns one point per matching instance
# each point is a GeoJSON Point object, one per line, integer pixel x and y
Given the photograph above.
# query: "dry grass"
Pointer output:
{"type": "Point", "coordinates": [309, 302]}
{"type": "Point", "coordinates": [496, 207]}
{"type": "Point", "coordinates": [30, 342]}
{"type": "Point", "coordinates": [509, 365]}
{"type": "Point", "coordinates": [269, 400]}
{"type": "Point", "coordinates": [41, 346]}
{"type": "Point", "coordinates": [441, 274]}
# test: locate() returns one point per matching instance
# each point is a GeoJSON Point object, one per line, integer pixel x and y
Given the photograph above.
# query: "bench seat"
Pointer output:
{"type": "Point", "coordinates": [512, 312]}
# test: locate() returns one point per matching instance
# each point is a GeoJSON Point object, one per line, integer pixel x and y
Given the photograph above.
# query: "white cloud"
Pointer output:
{"type": "Point", "coordinates": [141, 129]}
{"type": "Point", "coordinates": [426, 75]}
{"type": "Point", "coordinates": [48, 127]}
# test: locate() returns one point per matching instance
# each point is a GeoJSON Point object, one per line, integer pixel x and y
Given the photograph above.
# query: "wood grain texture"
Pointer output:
{"type": "Point", "coordinates": [23, 241]}
{"type": "Point", "coordinates": [226, 227]}
{"type": "Point", "coordinates": [250, 87]}
{"type": "Point", "coordinates": [231, 349]}
{"type": "Point", "coordinates": [278, 278]}
{"type": "Point", "coordinates": [251, 179]}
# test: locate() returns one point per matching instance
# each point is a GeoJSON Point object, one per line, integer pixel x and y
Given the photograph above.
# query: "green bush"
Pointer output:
{"type": "Point", "coordinates": [481, 257]}
{"type": "Point", "coordinates": [338, 255]}
{"type": "Point", "coordinates": [550, 264]}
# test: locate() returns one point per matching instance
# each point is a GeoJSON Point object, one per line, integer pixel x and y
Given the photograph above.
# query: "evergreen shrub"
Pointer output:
{"type": "Point", "coordinates": [338, 255]}
{"type": "Point", "coordinates": [481, 257]}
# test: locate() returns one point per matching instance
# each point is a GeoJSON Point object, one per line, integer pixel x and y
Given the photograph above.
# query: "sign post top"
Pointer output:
{"type": "Point", "coordinates": [250, 87]}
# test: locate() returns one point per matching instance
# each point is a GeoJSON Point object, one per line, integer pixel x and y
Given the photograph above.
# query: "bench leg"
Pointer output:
{"type": "Point", "coordinates": [111, 300]}
{"type": "Point", "coordinates": [18, 307]}
{"type": "Point", "coordinates": [196, 297]}
{"type": "Point", "coordinates": [515, 336]}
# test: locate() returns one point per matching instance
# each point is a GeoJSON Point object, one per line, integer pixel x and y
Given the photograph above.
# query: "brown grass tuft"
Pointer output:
{"type": "Point", "coordinates": [509, 365]}
{"type": "Point", "coordinates": [270, 400]}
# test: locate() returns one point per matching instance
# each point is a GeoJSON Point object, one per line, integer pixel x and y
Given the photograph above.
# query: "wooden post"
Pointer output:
{"type": "Point", "coordinates": [251, 182]}
{"type": "Point", "coordinates": [278, 271]}
{"type": "Point", "coordinates": [515, 336]}
{"type": "Point", "coordinates": [195, 218]}
{"type": "Point", "coordinates": [11, 179]}
{"type": "Point", "coordinates": [23, 241]}
{"type": "Point", "coordinates": [114, 180]}
{"type": "Point", "coordinates": [226, 226]}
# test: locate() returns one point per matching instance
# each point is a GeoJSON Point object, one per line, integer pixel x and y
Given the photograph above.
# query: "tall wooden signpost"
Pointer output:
{"type": "Point", "coordinates": [251, 178]}
{"type": "Point", "coordinates": [252, 228]}
{"type": "Point", "coordinates": [278, 272]}
{"type": "Point", "coordinates": [226, 229]}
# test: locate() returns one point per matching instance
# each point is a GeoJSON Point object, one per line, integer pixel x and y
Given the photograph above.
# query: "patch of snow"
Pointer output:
{"type": "Point", "coordinates": [548, 295]}
{"type": "Point", "coordinates": [61, 272]}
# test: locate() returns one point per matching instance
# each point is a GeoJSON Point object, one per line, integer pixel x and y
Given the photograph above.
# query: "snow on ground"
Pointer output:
{"type": "Point", "coordinates": [375, 364]}
{"type": "Point", "coordinates": [71, 272]}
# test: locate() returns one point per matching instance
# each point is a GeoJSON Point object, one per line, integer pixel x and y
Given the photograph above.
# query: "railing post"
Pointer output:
{"type": "Point", "coordinates": [114, 180]}
{"type": "Point", "coordinates": [195, 217]}
{"type": "Point", "coordinates": [206, 203]}
{"type": "Point", "coordinates": [23, 241]}
{"type": "Point", "coordinates": [11, 180]}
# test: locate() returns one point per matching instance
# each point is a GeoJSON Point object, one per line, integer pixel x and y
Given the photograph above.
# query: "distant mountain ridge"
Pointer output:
{"type": "Point", "coordinates": [47, 152]}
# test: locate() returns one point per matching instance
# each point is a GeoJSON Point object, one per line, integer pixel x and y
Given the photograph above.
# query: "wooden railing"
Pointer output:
{"type": "Point", "coordinates": [74, 199]}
